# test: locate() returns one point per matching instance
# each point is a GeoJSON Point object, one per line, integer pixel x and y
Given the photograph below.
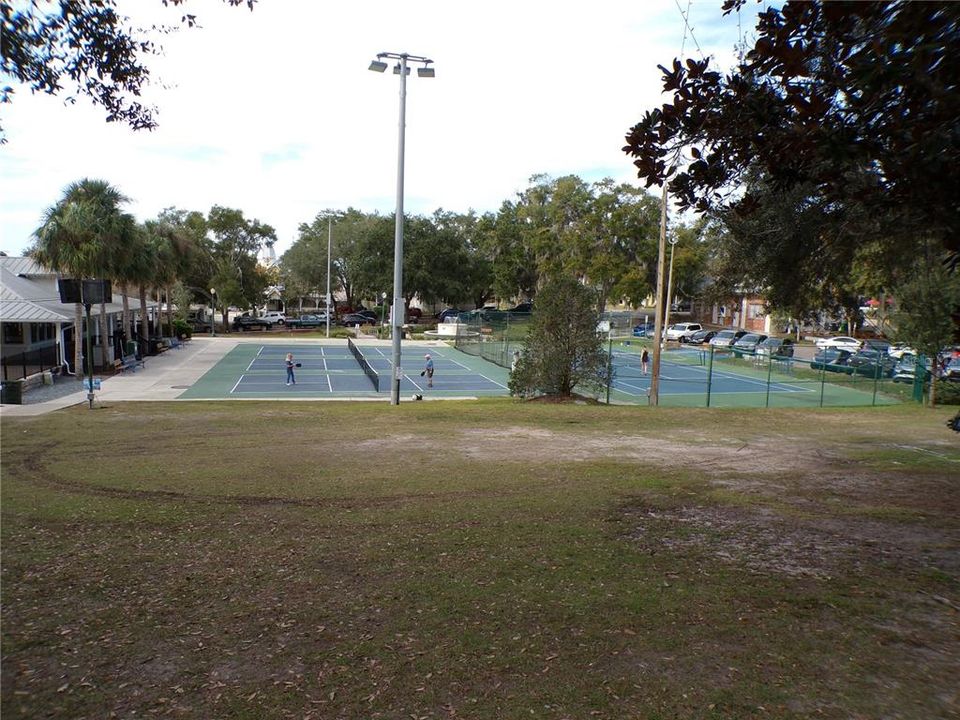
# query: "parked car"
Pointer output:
{"type": "Point", "coordinates": [899, 350]}
{"type": "Point", "coordinates": [274, 317]}
{"type": "Point", "coordinates": [952, 369]}
{"type": "Point", "coordinates": [643, 329]}
{"type": "Point", "coordinates": [776, 347]}
{"type": "Point", "coordinates": [248, 322]}
{"type": "Point", "coordinates": [906, 368]}
{"type": "Point", "coordinates": [747, 344]}
{"type": "Point", "coordinates": [414, 313]}
{"type": "Point", "coordinates": [831, 360]}
{"type": "Point", "coordinates": [840, 342]}
{"type": "Point", "coordinates": [726, 338]}
{"type": "Point", "coordinates": [524, 307]}
{"type": "Point", "coordinates": [356, 319]}
{"type": "Point", "coordinates": [308, 321]}
{"type": "Point", "coordinates": [701, 337]}
{"type": "Point", "coordinates": [682, 331]}
{"type": "Point", "coordinates": [871, 363]}
{"type": "Point", "coordinates": [877, 344]}
{"type": "Point", "coordinates": [443, 315]}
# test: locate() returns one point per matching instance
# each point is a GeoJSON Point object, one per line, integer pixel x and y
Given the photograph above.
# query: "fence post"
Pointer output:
{"type": "Point", "coordinates": [876, 379]}
{"type": "Point", "coordinates": [609, 364]}
{"type": "Point", "coordinates": [823, 376]}
{"type": "Point", "coordinates": [919, 377]}
{"type": "Point", "coordinates": [710, 374]}
{"type": "Point", "coordinates": [769, 373]}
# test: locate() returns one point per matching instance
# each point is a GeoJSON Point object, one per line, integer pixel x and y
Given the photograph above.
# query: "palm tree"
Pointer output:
{"type": "Point", "coordinates": [83, 235]}
{"type": "Point", "coordinates": [133, 269]}
{"type": "Point", "coordinates": [173, 251]}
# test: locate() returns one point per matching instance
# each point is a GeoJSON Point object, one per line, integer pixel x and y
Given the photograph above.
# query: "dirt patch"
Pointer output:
{"type": "Point", "coordinates": [766, 542]}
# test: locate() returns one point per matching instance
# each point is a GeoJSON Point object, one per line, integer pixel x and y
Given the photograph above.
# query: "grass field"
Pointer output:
{"type": "Point", "coordinates": [490, 559]}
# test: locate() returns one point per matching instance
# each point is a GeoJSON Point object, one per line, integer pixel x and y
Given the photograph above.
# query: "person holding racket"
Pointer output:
{"type": "Point", "coordinates": [291, 380]}
{"type": "Point", "coordinates": [428, 370]}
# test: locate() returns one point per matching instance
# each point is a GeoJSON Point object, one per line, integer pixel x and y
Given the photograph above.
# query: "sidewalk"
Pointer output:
{"type": "Point", "coordinates": [165, 377]}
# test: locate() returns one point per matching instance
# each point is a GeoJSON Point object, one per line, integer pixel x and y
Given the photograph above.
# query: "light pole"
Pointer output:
{"type": "Point", "coordinates": [329, 242]}
{"type": "Point", "coordinates": [666, 323]}
{"type": "Point", "coordinates": [399, 69]}
{"type": "Point", "coordinates": [213, 311]}
{"type": "Point", "coordinates": [658, 321]}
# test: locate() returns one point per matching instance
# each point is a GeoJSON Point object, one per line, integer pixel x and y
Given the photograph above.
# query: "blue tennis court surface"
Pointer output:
{"type": "Point", "coordinates": [329, 370]}
{"type": "Point", "coordinates": [682, 373]}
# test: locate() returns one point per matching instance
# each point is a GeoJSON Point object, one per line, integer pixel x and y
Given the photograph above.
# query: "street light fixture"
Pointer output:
{"type": "Point", "coordinates": [402, 70]}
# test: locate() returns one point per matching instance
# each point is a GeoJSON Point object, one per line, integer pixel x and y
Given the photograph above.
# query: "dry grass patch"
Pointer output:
{"type": "Point", "coordinates": [479, 560]}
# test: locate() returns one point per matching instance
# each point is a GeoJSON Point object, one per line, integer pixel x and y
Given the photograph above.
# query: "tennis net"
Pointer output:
{"type": "Point", "coordinates": [367, 368]}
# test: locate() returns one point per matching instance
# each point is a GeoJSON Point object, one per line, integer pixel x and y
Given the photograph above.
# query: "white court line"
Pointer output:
{"type": "Point", "coordinates": [329, 384]}
{"type": "Point", "coordinates": [254, 358]}
{"type": "Point", "coordinates": [237, 383]}
{"type": "Point", "coordinates": [631, 385]}
{"type": "Point", "coordinates": [456, 362]}
{"type": "Point", "coordinates": [493, 381]}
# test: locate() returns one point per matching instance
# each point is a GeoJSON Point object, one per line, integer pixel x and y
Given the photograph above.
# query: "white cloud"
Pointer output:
{"type": "Point", "coordinates": [274, 112]}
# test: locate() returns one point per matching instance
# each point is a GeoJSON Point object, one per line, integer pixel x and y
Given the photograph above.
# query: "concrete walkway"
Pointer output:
{"type": "Point", "coordinates": [165, 377]}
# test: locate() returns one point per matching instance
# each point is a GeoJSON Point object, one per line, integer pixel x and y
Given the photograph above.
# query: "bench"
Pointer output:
{"type": "Point", "coordinates": [128, 362]}
{"type": "Point", "coordinates": [174, 343]}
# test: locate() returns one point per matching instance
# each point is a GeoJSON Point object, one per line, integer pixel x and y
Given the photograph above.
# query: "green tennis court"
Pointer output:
{"type": "Point", "coordinates": [693, 377]}
{"type": "Point", "coordinates": [328, 369]}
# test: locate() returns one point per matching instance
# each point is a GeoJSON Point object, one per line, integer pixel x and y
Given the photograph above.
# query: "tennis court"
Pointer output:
{"type": "Point", "coordinates": [330, 369]}
{"type": "Point", "coordinates": [681, 375]}
{"type": "Point", "coordinates": [692, 377]}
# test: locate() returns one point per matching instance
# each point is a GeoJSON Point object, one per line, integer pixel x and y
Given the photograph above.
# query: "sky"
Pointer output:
{"type": "Point", "coordinates": [275, 113]}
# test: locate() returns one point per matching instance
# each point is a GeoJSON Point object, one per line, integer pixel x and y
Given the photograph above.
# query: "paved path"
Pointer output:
{"type": "Point", "coordinates": [164, 378]}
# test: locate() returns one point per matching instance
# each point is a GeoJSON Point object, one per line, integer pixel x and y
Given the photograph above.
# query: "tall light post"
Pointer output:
{"type": "Point", "coordinates": [329, 243]}
{"type": "Point", "coordinates": [658, 321]}
{"type": "Point", "coordinates": [213, 311]}
{"type": "Point", "coordinates": [400, 69]}
{"type": "Point", "coordinates": [666, 323]}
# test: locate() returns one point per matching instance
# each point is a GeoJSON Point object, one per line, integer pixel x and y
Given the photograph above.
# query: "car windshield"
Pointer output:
{"type": "Point", "coordinates": [724, 334]}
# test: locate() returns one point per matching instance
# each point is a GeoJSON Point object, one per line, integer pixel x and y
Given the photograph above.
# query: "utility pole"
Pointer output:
{"type": "Point", "coordinates": [658, 323]}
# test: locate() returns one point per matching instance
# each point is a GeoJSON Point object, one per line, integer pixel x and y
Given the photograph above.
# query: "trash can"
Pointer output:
{"type": "Point", "coordinates": [11, 392]}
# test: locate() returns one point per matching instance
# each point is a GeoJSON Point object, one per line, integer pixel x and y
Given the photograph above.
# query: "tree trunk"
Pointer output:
{"type": "Point", "coordinates": [78, 341]}
{"type": "Point", "coordinates": [935, 370]}
{"type": "Point", "coordinates": [170, 332]}
{"type": "Point", "coordinates": [127, 331]}
{"type": "Point", "coordinates": [106, 351]}
{"type": "Point", "coordinates": [144, 320]}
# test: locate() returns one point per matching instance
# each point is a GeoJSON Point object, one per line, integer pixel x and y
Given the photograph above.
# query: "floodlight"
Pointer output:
{"type": "Point", "coordinates": [426, 72]}
{"type": "Point", "coordinates": [377, 66]}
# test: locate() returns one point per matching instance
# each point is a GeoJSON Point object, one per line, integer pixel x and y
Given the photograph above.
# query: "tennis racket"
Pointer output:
{"type": "Point", "coordinates": [422, 373]}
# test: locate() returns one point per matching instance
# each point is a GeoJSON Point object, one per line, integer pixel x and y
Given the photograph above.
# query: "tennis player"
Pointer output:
{"type": "Point", "coordinates": [428, 369]}
{"type": "Point", "coordinates": [291, 380]}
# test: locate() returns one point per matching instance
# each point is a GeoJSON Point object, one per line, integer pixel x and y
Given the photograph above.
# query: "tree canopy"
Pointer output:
{"type": "Point", "coordinates": [87, 43]}
{"type": "Point", "coordinates": [855, 101]}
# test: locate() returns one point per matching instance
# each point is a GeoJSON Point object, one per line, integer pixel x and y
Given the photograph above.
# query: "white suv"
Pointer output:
{"type": "Point", "coordinates": [274, 317]}
{"type": "Point", "coordinates": [682, 331]}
